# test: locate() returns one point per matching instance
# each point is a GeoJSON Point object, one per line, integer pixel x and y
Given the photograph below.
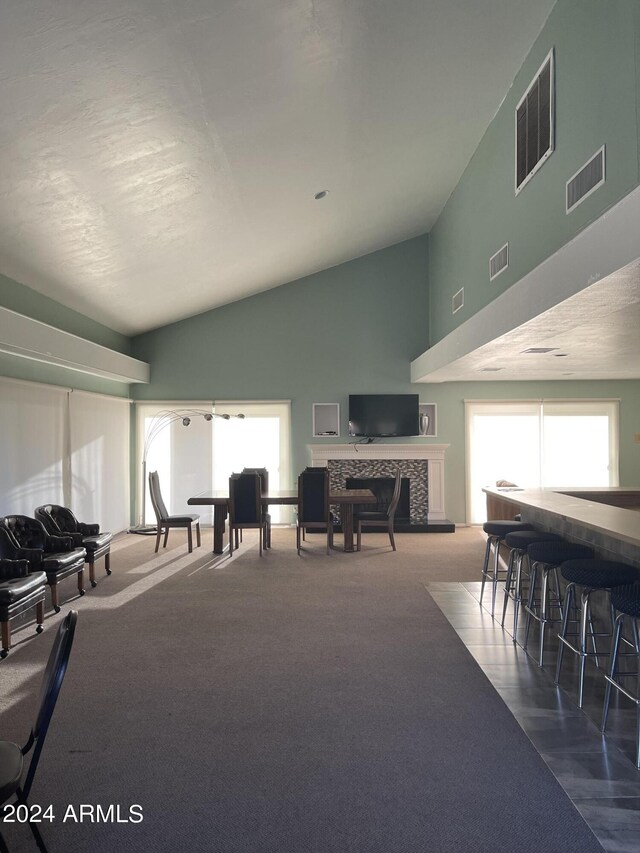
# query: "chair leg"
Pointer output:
{"type": "Point", "coordinates": [54, 597]}
{"type": "Point", "coordinates": [81, 581]}
{"type": "Point", "coordinates": [107, 562]}
{"type": "Point", "coordinates": [166, 537]}
{"type": "Point", "coordinates": [391, 536]}
{"type": "Point", "coordinates": [198, 538]}
{"type": "Point", "coordinates": [359, 536]}
{"type": "Point", "coordinates": [566, 610]}
{"type": "Point", "coordinates": [190, 539]}
{"type": "Point", "coordinates": [6, 639]}
{"type": "Point", "coordinates": [158, 538]}
{"type": "Point", "coordinates": [613, 658]}
{"type": "Point", "coordinates": [231, 534]}
{"type": "Point", "coordinates": [92, 572]}
{"type": "Point", "coordinates": [39, 617]}
{"type": "Point", "coordinates": [298, 538]}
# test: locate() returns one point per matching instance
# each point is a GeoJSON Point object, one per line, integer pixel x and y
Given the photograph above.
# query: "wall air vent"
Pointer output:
{"type": "Point", "coordinates": [457, 301]}
{"type": "Point", "coordinates": [586, 180]}
{"type": "Point", "coordinates": [535, 124]}
{"type": "Point", "coordinates": [539, 349]}
{"type": "Point", "coordinates": [499, 262]}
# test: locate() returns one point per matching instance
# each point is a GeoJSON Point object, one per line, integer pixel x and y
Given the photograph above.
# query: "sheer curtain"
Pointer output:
{"type": "Point", "coordinates": [539, 444]}
{"type": "Point", "coordinates": [33, 462]}
{"type": "Point", "coordinates": [99, 454]}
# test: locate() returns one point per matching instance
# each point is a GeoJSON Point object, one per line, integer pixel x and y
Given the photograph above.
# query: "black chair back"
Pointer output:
{"type": "Point", "coordinates": [313, 496]}
{"type": "Point", "coordinates": [264, 478]}
{"type": "Point", "coordinates": [245, 506]}
{"type": "Point", "coordinates": [49, 691]}
{"type": "Point", "coordinates": [157, 503]}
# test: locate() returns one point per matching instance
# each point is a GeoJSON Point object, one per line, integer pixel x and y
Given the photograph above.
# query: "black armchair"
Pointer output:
{"type": "Point", "coordinates": [54, 555]}
{"type": "Point", "coordinates": [58, 520]}
{"type": "Point", "coordinates": [19, 591]}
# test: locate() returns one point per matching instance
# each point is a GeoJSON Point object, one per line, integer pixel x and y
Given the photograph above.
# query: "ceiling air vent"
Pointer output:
{"type": "Point", "coordinates": [539, 349]}
{"type": "Point", "coordinates": [499, 262]}
{"type": "Point", "coordinates": [534, 124]}
{"type": "Point", "coordinates": [457, 301]}
{"type": "Point", "coordinates": [586, 180]}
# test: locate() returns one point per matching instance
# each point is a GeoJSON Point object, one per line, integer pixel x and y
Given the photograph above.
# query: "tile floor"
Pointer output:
{"type": "Point", "coordinates": [597, 772]}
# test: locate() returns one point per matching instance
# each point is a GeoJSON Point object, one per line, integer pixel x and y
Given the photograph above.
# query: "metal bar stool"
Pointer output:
{"type": "Point", "coordinates": [544, 559]}
{"type": "Point", "coordinates": [625, 601]}
{"type": "Point", "coordinates": [518, 542]}
{"type": "Point", "coordinates": [496, 532]}
{"type": "Point", "coordinates": [592, 576]}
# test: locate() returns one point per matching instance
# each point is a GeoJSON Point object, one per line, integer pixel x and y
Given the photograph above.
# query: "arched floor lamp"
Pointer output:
{"type": "Point", "coordinates": [159, 422]}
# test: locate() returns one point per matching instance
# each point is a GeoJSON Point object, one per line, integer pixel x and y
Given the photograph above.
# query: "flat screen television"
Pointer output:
{"type": "Point", "coordinates": [380, 415]}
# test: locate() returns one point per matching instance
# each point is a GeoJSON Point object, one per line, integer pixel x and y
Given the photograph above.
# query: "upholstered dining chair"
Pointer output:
{"type": "Point", "coordinates": [165, 522]}
{"type": "Point", "coordinates": [60, 521]}
{"type": "Point", "coordinates": [12, 756]}
{"type": "Point", "coordinates": [245, 508]}
{"type": "Point", "coordinates": [264, 490]}
{"type": "Point", "coordinates": [377, 519]}
{"type": "Point", "coordinates": [314, 511]}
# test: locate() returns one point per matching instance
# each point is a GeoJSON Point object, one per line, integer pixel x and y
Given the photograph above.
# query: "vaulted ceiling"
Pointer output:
{"type": "Point", "coordinates": [160, 157]}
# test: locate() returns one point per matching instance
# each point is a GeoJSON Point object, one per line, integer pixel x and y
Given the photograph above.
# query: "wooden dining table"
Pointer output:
{"type": "Point", "coordinates": [344, 498]}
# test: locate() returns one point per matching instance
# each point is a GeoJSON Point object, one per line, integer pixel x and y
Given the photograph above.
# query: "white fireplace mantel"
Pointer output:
{"type": "Point", "coordinates": [321, 454]}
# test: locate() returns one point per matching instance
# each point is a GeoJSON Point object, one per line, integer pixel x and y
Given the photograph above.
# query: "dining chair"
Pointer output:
{"type": "Point", "coordinates": [246, 510]}
{"type": "Point", "coordinates": [385, 517]}
{"type": "Point", "coordinates": [166, 521]}
{"type": "Point", "coordinates": [264, 490]}
{"type": "Point", "coordinates": [12, 756]}
{"type": "Point", "coordinates": [314, 511]}
{"type": "Point", "coordinates": [60, 521]}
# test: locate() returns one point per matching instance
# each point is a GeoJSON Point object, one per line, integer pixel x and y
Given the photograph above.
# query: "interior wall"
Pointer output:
{"type": "Point", "coordinates": [597, 73]}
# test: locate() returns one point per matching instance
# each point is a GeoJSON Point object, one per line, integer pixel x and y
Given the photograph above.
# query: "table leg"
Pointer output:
{"type": "Point", "coordinates": [346, 515]}
{"type": "Point", "coordinates": [219, 516]}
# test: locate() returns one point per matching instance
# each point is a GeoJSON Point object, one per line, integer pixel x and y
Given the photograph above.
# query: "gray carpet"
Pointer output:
{"type": "Point", "coordinates": [286, 704]}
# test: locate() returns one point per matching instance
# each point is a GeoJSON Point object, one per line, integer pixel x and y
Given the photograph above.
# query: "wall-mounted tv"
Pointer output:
{"type": "Point", "coordinates": [380, 415]}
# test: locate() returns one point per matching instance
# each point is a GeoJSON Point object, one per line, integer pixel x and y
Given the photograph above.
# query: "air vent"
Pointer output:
{"type": "Point", "coordinates": [539, 349]}
{"type": "Point", "coordinates": [490, 369]}
{"type": "Point", "coordinates": [586, 180]}
{"type": "Point", "coordinates": [499, 262]}
{"type": "Point", "coordinates": [534, 124]}
{"type": "Point", "coordinates": [457, 301]}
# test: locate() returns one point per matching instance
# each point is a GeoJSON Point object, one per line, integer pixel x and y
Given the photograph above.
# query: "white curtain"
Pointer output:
{"type": "Point", "coordinates": [33, 441]}
{"type": "Point", "coordinates": [99, 452]}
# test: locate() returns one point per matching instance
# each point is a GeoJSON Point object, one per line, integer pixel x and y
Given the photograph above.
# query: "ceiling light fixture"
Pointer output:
{"type": "Point", "coordinates": [321, 194]}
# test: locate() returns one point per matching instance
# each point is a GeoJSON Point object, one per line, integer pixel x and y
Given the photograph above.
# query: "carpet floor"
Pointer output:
{"type": "Point", "coordinates": [307, 704]}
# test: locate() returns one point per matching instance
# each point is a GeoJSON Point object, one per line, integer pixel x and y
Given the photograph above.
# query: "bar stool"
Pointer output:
{"type": "Point", "coordinates": [518, 542]}
{"type": "Point", "coordinates": [496, 531]}
{"type": "Point", "coordinates": [545, 557]}
{"type": "Point", "coordinates": [625, 600]}
{"type": "Point", "coordinates": [592, 576]}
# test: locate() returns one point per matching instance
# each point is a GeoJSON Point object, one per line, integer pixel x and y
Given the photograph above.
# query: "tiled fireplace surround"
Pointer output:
{"type": "Point", "coordinates": [422, 464]}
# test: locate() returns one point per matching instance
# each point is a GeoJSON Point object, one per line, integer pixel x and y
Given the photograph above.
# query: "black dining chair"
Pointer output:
{"type": "Point", "coordinates": [314, 511]}
{"type": "Point", "coordinates": [264, 490]}
{"type": "Point", "coordinates": [164, 521]}
{"type": "Point", "coordinates": [379, 518]}
{"type": "Point", "coordinates": [246, 510]}
{"type": "Point", "coordinates": [12, 756]}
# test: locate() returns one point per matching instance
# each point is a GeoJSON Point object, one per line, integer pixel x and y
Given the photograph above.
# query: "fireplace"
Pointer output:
{"type": "Point", "coordinates": [421, 466]}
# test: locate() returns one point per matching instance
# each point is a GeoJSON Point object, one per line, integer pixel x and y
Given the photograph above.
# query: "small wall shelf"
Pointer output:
{"type": "Point", "coordinates": [428, 420]}
{"type": "Point", "coordinates": [326, 420]}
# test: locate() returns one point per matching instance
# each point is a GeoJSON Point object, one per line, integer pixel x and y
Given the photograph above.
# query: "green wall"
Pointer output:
{"type": "Point", "coordinates": [17, 297]}
{"type": "Point", "coordinates": [597, 45]}
{"type": "Point", "coordinates": [353, 328]}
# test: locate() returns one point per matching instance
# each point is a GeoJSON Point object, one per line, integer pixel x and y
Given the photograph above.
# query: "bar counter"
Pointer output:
{"type": "Point", "coordinates": [607, 518]}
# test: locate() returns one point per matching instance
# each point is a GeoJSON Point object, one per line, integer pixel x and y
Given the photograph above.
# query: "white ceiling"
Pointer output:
{"type": "Point", "coordinates": [160, 157]}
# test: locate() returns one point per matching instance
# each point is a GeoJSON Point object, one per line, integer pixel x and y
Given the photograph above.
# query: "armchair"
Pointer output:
{"type": "Point", "coordinates": [60, 521]}
{"type": "Point", "coordinates": [19, 591]}
{"type": "Point", "coordinates": [56, 556]}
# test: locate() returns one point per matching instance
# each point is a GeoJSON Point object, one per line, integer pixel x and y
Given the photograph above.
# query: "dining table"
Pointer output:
{"type": "Point", "coordinates": [344, 498]}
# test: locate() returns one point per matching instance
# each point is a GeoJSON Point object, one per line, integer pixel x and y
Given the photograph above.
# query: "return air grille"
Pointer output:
{"type": "Point", "coordinates": [586, 180]}
{"type": "Point", "coordinates": [534, 124]}
{"type": "Point", "coordinates": [457, 301]}
{"type": "Point", "coordinates": [499, 262]}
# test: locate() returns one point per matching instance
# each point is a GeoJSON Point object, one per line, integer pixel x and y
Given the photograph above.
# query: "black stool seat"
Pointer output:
{"type": "Point", "coordinates": [501, 528]}
{"type": "Point", "coordinates": [626, 599]}
{"type": "Point", "coordinates": [523, 538]}
{"type": "Point", "coordinates": [556, 553]}
{"type": "Point", "coordinates": [598, 574]}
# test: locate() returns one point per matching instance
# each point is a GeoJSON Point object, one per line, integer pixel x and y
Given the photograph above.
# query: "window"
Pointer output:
{"type": "Point", "coordinates": [539, 444]}
{"type": "Point", "coordinates": [534, 124]}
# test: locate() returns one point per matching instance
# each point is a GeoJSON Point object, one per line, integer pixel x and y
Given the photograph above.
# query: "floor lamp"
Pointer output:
{"type": "Point", "coordinates": [159, 422]}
